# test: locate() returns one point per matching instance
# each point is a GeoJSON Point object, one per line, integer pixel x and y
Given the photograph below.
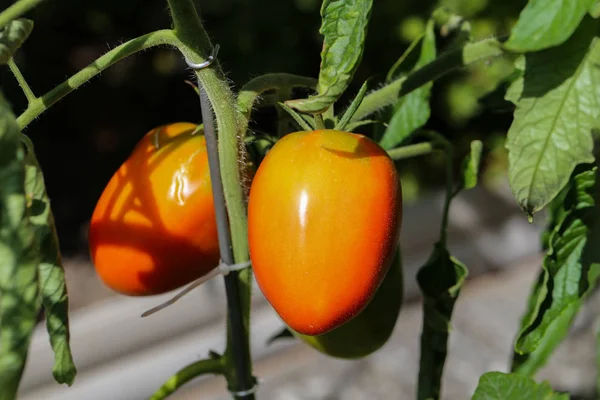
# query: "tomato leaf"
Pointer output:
{"type": "Point", "coordinates": [501, 386]}
{"type": "Point", "coordinates": [50, 271]}
{"type": "Point", "coordinates": [546, 23]}
{"type": "Point", "coordinates": [12, 37]}
{"type": "Point", "coordinates": [557, 107]}
{"type": "Point", "coordinates": [19, 299]}
{"type": "Point", "coordinates": [440, 280]}
{"type": "Point", "coordinates": [344, 28]}
{"type": "Point", "coordinates": [412, 111]}
{"type": "Point", "coordinates": [570, 271]}
{"type": "Point", "coordinates": [470, 167]}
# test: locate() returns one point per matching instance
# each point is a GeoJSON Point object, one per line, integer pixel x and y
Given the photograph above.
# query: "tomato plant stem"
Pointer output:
{"type": "Point", "coordinates": [236, 323]}
{"type": "Point", "coordinates": [40, 104]}
{"type": "Point", "coordinates": [388, 94]}
{"type": "Point", "coordinates": [21, 80]}
{"type": "Point", "coordinates": [413, 150]}
{"type": "Point", "coordinates": [227, 155]}
{"type": "Point", "coordinates": [319, 124]}
{"type": "Point", "coordinates": [281, 82]}
{"type": "Point", "coordinates": [16, 10]}
{"type": "Point", "coordinates": [202, 367]}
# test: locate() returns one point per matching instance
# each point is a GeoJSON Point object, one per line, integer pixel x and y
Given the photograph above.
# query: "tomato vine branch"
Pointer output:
{"type": "Point", "coordinates": [16, 10]}
{"type": "Point", "coordinates": [183, 376]}
{"type": "Point", "coordinates": [21, 81]}
{"type": "Point", "coordinates": [253, 89]}
{"type": "Point", "coordinates": [388, 94]}
{"type": "Point", "coordinates": [413, 150]}
{"type": "Point", "coordinates": [38, 105]}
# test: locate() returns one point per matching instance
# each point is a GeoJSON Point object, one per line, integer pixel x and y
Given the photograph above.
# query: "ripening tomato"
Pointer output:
{"type": "Point", "coordinates": [154, 227]}
{"type": "Point", "coordinates": [371, 328]}
{"type": "Point", "coordinates": [324, 216]}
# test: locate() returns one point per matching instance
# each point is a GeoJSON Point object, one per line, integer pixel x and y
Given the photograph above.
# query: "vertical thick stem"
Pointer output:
{"type": "Point", "coordinates": [225, 153]}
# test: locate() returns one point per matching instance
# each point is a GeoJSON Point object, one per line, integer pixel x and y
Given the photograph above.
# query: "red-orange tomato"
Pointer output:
{"type": "Point", "coordinates": [154, 227]}
{"type": "Point", "coordinates": [324, 217]}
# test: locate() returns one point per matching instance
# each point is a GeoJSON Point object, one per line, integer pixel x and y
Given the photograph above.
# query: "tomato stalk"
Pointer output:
{"type": "Point", "coordinates": [40, 104]}
{"type": "Point", "coordinates": [463, 56]}
{"type": "Point", "coordinates": [413, 150]}
{"type": "Point", "coordinates": [21, 81]}
{"type": "Point", "coordinates": [16, 10]}
{"type": "Point", "coordinates": [224, 155]}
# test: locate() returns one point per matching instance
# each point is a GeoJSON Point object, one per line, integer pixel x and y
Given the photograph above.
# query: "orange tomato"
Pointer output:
{"type": "Point", "coordinates": [324, 216]}
{"type": "Point", "coordinates": [154, 227]}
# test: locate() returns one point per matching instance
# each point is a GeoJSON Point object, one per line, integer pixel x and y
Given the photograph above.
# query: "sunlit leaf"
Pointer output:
{"type": "Point", "coordinates": [546, 23]}
{"type": "Point", "coordinates": [557, 108]}
{"type": "Point", "coordinates": [19, 288]}
{"type": "Point", "coordinates": [344, 28]}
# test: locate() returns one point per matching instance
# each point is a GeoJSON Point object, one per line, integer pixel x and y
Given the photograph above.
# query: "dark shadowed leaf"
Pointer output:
{"type": "Point", "coordinates": [51, 274]}
{"type": "Point", "coordinates": [569, 273]}
{"type": "Point", "coordinates": [440, 280]}
{"type": "Point", "coordinates": [412, 111]}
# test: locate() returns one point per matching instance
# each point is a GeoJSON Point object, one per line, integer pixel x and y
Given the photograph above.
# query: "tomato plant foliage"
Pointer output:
{"type": "Point", "coordinates": [551, 87]}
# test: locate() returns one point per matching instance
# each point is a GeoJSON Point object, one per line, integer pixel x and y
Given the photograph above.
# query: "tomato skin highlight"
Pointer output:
{"type": "Point", "coordinates": [324, 216]}
{"type": "Point", "coordinates": [154, 228]}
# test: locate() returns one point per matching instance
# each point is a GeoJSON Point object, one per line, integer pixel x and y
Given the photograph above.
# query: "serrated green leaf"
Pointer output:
{"type": "Point", "coordinates": [501, 386]}
{"type": "Point", "coordinates": [12, 37]}
{"type": "Point", "coordinates": [440, 280]}
{"type": "Point", "coordinates": [558, 106]}
{"type": "Point", "coordinates": [19, 299]}
{"type": "Point", "coordinates": [546, 23]}
{"type": "Point", "coordinates": [53, 289]}
{"type": "Point", "coordinates": [412, 111]}
{"type": "Point", "coordinates": [569, 273]}
{"type": "Point", "coordinates": [470, 167]}
{"type": "Point", "coordinates": [344, 28]}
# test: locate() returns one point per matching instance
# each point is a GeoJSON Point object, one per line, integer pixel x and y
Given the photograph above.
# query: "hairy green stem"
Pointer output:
{"type": "Point", "coordinates": [282, 82]}
{"type": "Point", "coordinates": [40, 104]}
{"type": "Point", "coordinates": [413, 150]}
{"type": "Point", "coordinates": [21, 80]}
{"type": "Point", "coordinates": [388, 94]}
{"type": "Point", "coordinates": [194, 42]}
{"type": "Point", "coordinates": [183, 376]}
{"type": "Point", "coordinates": [16, 10]}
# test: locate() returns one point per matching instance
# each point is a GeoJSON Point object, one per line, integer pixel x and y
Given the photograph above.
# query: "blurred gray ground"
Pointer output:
{"type": "Point", "coordinates": [121, 356]}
